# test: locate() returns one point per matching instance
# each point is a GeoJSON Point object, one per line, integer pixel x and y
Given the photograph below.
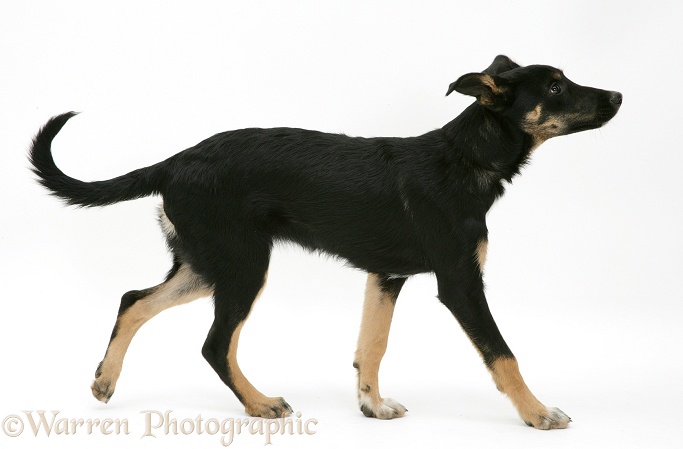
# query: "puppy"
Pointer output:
{"type": "Point", "coordinates": [393, 207]}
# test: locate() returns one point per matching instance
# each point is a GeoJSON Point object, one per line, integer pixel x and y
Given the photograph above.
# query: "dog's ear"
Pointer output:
{"type": "Point", "coordinates": [488, 89]}
{"type": "Point", "coordinates": [501, 64]}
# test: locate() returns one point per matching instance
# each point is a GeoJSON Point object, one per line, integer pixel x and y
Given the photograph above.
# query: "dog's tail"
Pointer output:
{"type": "Point", "coordinates": [136, 184]}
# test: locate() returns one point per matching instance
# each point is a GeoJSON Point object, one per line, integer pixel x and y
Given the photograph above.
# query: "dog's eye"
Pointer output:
{"type": "Point", "coordinates": [555, 89]}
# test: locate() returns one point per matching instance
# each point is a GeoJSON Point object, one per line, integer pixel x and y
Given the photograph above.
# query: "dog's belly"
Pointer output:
{"type": "Point", "coordinates": [372, 246]}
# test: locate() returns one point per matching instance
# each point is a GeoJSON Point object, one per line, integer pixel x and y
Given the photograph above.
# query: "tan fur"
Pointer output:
{"type": "Point", "coordinates": [378, 311]}
{"type": "Point", "coordinates": [255, 402]}
{"type": "Point", "coordinates": [166, 225]}
{"type": "Point", "coordinates": [480, 254]}
{"type": "Point", "coordinates": [185, 286]}
{"type": "Point", "coordinates": [488, 81]}
{"type": "Point", "coordinates": [542, 130]}
{"type": "Point", "coordinates": [508, 379]}
{"type": "Point", "coordinates": [535, 115]}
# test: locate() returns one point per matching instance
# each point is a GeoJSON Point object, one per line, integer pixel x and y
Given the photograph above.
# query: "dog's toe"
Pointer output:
{"type": "Point", "coordinates": [553, 418]}
{"type": "Point", "coordinates": [271, 408]}
{"type": "Point", "coordinates": [102, 390]}
{"type": "Point", "coordinates": [383, 409]}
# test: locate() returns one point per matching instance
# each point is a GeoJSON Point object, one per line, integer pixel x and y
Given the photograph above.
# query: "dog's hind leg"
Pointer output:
{"type": "Point", "coordinates": [137, 307]}
{"type": "Point", "coordinates": [380, 297]}
{"type": "Point", "coordinates": [242, 281]}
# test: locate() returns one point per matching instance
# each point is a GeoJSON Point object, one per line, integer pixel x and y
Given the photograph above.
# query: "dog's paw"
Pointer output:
{"type": "Point", "coordinates": [552, 418]}
{"type": "Point", "coordinates": [271, 408]}
{"type": "Point", "coordinates": [103, 385]}
{"type": "Point", "coordinates": [382, 409]}
{"type": "Point", "coordinates": [102, 390]}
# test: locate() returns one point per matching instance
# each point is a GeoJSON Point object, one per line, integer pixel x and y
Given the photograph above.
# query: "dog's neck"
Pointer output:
{"type": "Point", "coordinates": [489, 145]}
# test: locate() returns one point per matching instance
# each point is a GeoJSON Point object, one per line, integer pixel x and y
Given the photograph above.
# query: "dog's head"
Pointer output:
{"type": "Point", "coordinates": [538, 99]}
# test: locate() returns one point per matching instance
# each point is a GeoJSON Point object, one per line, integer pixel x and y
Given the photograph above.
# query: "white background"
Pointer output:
{"type": "Point", "coordinates": [584, 261]}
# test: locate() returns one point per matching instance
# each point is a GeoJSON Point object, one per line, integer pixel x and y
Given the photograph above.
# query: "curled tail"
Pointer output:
{"type": "Point", "coordinates": [136, 184]}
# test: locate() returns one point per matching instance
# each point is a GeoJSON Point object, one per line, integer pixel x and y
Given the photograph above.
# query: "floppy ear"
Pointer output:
{"type": "Point", "coordinates": [488, 89]}
{"type": "Point", "coordinates": [501, 64]}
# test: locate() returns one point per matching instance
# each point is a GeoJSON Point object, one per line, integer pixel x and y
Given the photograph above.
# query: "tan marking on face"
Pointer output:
{"type": "Point", "coordinates": [534, 115]}
{"type": "Point", "coordinates": [553, 126]}
{"type": "Point", "coordinates": [378, 310]}
{"type": "Point", "coordinates": [542, 130]}
{"type": "Point", "coordinates": [508, 379]}
{"type": "Point", "coordinates": [480, 254]}
{"type": "Point", "coordinates": [185, 286]}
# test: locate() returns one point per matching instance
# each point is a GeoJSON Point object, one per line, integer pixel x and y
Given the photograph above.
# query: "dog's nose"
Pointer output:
{"type": "Point", "coordinates": [615, 98]}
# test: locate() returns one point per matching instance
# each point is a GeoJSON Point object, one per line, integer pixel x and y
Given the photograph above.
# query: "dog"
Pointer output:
{"type": "Point", "coordinates": [393, 207]}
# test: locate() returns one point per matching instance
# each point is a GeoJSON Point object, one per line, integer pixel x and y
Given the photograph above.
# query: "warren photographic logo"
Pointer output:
{"type": "Point", "coordinates": [153, 424]}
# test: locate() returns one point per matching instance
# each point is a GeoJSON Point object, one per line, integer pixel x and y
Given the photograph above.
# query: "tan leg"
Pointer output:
{"type": "Point", "coordinates": [232, 308]}
{"type": "Point", "coordinates": [508, 379]}
{"type": "Point", "coordinates": [255, 402]}
{"type": "Point", "coordinates": [378, 309]}
{"type": "Point", "coordinates": [138, 307]}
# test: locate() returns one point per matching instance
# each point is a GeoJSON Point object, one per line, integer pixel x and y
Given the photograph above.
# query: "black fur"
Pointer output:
{"type": "Point", "coordinates": [391, 285]}
{"type": "Point", "coordinates": [393, 206]}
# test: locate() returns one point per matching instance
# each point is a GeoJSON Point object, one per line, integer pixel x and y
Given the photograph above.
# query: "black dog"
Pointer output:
{"type": "Point", "coordinates": [394, 207]}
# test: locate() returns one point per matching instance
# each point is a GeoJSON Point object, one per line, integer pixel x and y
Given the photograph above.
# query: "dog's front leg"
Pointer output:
{"type": "Point", "coordinates": [380, 297]}
{"type": "Point", "coordinates": [461, 289]}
